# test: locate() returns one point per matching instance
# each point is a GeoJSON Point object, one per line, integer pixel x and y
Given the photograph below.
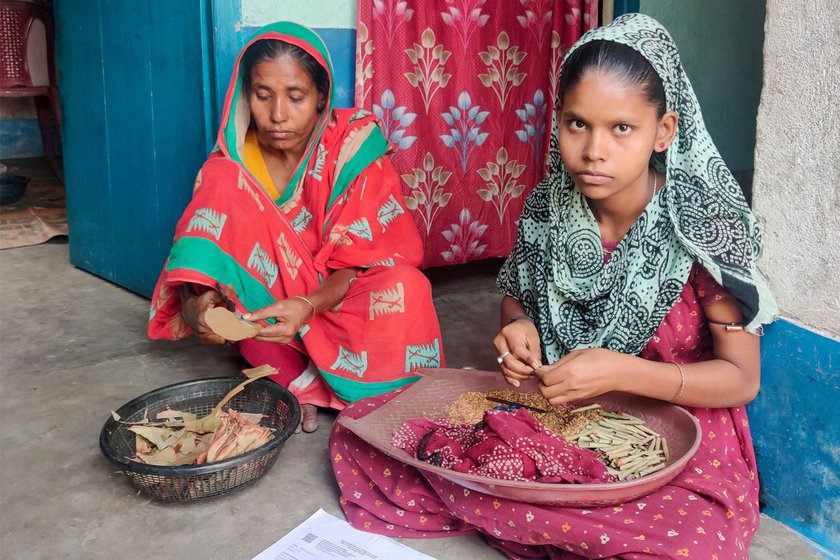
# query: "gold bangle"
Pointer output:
{"type": "Point", "coordinates": [682, 383]}
{"type": "Point", "coordinates": [312, 305]}
{"type": "Point", "coordinates": [728, 327]}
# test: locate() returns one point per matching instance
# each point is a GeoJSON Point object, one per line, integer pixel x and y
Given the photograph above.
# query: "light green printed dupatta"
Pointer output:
{"type": "Point", "coordinates": [556, 268]}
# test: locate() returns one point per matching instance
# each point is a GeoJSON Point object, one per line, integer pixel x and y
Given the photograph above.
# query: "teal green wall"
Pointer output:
{"type": "Point", "coordinates": [720, 42]}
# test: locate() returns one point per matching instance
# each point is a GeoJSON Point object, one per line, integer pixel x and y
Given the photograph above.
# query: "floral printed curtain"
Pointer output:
{"type": "Point", "coordinates": [463, 89]}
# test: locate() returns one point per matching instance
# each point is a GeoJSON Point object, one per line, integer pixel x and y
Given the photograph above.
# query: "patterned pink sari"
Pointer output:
{"type": "Point", "coordinates": [709, 511]}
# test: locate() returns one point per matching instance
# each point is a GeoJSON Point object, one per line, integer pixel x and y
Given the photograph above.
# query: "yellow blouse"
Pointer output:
{"type": "Point", "coordinates": [253, 159]}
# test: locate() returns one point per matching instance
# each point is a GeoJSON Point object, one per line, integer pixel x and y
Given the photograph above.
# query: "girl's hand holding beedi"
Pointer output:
{"type": "Point", "coordinates": [518, 351]}
{"type": "Point", "coordinates": [291, 315]}
{"type": "Point", "coordinates": [580, 374]}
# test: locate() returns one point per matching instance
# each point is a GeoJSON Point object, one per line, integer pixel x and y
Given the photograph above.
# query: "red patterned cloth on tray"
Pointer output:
{"type": "Point", "coordinates": [509, 445]}
{"type": "Point", "coordinates": [463, 89]}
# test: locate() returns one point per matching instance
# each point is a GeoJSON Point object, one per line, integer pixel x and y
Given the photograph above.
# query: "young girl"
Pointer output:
{"type": "Point", "coordinates": [634, 271]}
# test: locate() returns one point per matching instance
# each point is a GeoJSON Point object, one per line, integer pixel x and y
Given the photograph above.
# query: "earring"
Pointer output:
{"type": "Point", "coordinates": [662, 146]}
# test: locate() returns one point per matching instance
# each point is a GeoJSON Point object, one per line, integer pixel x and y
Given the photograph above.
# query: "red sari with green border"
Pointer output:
{"type": "Point", "coordinates": [343, 208]}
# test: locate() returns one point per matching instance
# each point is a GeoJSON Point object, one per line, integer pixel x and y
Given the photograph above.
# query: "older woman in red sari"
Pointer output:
{"type": "Point", "coordinates": [299, 214]}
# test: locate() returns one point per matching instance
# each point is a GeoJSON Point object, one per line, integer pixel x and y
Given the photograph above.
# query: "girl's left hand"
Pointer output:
{"type": "Point", "coordinates": [580, 374]}
{"type": "Point", "coordinates": [291, 314]}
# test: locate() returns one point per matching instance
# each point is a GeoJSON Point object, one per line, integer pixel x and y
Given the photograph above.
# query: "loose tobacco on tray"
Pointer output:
{"type": "Point", "coordinates": [178, 438]}
{"type": "Point", "coordinates": [623, 442]}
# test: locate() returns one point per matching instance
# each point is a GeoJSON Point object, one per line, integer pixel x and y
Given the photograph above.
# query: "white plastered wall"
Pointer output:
{"type": "Point", "coordinates": [323, 14]}
{"type": "Point", "coordinates": [796, 192]}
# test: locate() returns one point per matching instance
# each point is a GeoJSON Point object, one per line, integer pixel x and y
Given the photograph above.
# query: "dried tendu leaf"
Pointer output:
{"type": "Point", "coordinates": [178, 438]}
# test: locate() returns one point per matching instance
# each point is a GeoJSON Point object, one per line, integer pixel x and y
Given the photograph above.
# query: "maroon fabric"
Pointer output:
{"type": "Point", "coordinates": [509, 445]}
{"type": "Point", "coordinates": [709, 511]}
{"type": "Point", "coordinates": [464, 90]}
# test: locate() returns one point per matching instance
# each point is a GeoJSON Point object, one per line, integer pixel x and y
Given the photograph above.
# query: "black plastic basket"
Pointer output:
{"type": "Point", "coordinates": [195, 482]}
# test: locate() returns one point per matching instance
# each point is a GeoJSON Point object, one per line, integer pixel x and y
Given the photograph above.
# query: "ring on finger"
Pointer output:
{"type": "Point", "coordinates": [501, 358]}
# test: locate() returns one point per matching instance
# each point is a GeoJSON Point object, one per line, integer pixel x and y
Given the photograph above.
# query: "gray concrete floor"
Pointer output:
{"type": "Point", "coordinates": [73, 347]}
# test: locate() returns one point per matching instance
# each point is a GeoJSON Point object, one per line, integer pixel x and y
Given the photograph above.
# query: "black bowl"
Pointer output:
{"type": "Point", "coordinates": [12, 188]}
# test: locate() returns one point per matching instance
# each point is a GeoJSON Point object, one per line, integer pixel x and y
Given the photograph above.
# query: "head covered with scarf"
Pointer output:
{"type": "Point", "coordinates": [360, 146]}
{"type": "Point", "coordinates": [341, 209]}
{"type": "Point", "coordinates": [556, 268]}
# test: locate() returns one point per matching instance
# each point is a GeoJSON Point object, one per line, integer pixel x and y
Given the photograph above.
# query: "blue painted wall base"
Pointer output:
{"type": "Point", "coordinates": [795, 426]}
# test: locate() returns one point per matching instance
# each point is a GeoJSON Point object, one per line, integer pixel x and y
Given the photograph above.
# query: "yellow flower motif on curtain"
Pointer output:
{"type": "Point", "coordinates": [502, 63]}
{"type": "Point", "coordinates": [683, 552]}
{"type": "Point", "coordinates": [428, 59]}
{"type": "Point", "coordinates": [565, 527]}
{"type": "Point", "coordinates": [427, 190]}
{"type": "Point", "coordinates": [387, 472]}
{"type": "Point", "coordinates": [500, 178]}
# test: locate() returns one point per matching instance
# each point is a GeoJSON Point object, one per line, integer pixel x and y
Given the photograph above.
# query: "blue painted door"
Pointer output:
{"type": "Point", "coordinates": [139, 108]}
{"type": "Point", "coordinates": [142, 82]}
